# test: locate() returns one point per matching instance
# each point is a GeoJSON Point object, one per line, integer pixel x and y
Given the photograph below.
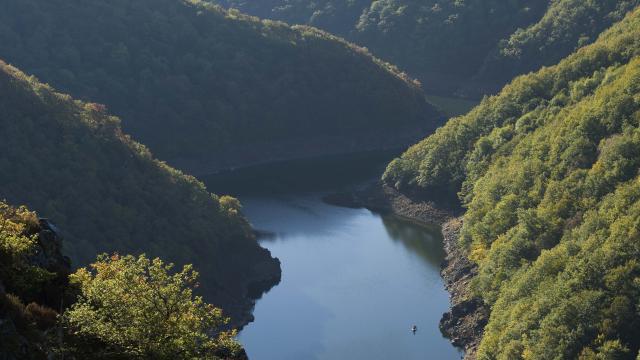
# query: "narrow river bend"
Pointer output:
{"type": "Point", "coordinates": [353, 282]}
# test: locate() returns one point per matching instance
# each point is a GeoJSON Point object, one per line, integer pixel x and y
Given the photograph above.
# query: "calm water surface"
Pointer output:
{"type": "Point", "coordinates": [353, 283]}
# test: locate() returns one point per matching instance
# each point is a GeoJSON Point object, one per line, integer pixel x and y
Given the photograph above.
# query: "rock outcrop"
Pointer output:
{"type": "Point", "coordinates": [468, 315]}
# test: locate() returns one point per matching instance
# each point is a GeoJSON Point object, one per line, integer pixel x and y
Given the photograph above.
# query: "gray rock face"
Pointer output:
{"type": "Point", "coordinates": [48, 254]}
{"type": "Point", "coordinates": [465, 321]}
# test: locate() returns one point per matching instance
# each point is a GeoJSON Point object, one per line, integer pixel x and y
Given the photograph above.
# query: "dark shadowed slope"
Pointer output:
{"type": "Point", "coordinates": [471, 47]}
{"type": "Point", "coordinates": [207, 89]}
{"type": "Point", "coordinates": [71, 162]}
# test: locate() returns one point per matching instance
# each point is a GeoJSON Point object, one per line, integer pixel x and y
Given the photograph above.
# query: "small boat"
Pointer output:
{"type": "Point", "coordinates": [414, 329]}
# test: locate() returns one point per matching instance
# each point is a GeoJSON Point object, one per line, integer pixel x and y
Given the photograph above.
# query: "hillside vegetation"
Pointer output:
{"type": "Point", "coordinates": [33, 278]}
{"type": "Point", "coordinates": [207, 89]}
{"type": "Point", "coordinates": [471, 47]}
{"type": "Point", "coordinates": [566, 26]}
{"type": "Point", "coordinates": [335, 16]}
{"type": "Point", "coordinates": [103, 312]}
{"type": "Point", "coordinates": [71, 162]}
{"type": "Point", "coordinates": [548, 171]}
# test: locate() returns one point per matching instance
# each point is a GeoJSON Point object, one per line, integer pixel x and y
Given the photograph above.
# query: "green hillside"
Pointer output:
{"type": "Point", "coordinates": [548, 171]}
{"type": "Point", "coordinates": [443, 43]}
{"type": "Point", "coordinates": [335, 16]}
{"type": "Point", "coordinates": [71, 162]}
{"type": "Point", "coordinates": [104, 311]}
{"type": "Point", "coordinates": [566, 26]}
{"type": "Point", "coordinates": [470, 47]}
{"type": "Point", "coordinates": [207, 89]}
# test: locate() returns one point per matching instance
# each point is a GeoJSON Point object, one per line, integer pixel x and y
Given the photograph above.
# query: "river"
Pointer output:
{"type": "Point", "coordinates": [353, 281]}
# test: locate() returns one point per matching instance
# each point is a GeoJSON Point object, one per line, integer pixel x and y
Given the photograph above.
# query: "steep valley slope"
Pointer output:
{"type": "Point", "coordinates": [72, 163]}
{"type": "Point", "coordinates": [469, 48]}
{"type": "Point", "coordinates": [548, 173]}
{"type": "Point", "coordinates": [208, 89]}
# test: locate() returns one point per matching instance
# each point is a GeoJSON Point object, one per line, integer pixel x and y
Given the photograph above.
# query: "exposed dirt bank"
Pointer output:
{"type": "Point", "coordinates": [464, 323]}
{"type": "Point", "coordinates": [385, 199]}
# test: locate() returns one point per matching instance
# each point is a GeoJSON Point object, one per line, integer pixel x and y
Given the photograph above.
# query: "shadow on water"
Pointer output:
{"type": "Point", "coordinates": [328, 173]}
{"type": "Point", "coordinates": [422, 240]}
{"type": "Point", "coordinates": [353, 281]}
{"type": "Point", "coordinates": [307, 320]}
{"type": "Point", "coordinates": [283, 217]}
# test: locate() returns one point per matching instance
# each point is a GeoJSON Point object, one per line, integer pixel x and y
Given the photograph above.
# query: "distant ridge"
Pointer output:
{"type": "Point", "coordinates": [207, 89]}
{"type": "Point", "coordinates": [470, 47]}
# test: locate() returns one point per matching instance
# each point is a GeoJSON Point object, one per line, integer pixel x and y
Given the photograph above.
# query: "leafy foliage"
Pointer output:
{"type": "Point", "coordinates": [17, 244]}
{"type": "Point", "coordinates": [126, 308]}
{"type": "Point", "coordinates": [566, 26]}
{"type": "Point", "coordinates": [198, 84]}
{"type": "Point", "coordinates": [469, 46]}
{"type": "Point", "coordinates": [138, 308]}
{"type": "Point", "coordinates": [442, 42]}
{"type": "Point", "coordinates": [23, 327]}
{"type": "Point", "coordinates": [71, 161]}
{"type": "Point", "coordinates": [337, 17]}
{"type": "Point", "coordinates": [548, 171]}
{"type": "Point", "coordinates": [22, 281]}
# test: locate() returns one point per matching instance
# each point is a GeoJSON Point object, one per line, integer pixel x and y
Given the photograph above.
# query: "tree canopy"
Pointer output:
{"type": "Point", "coordinates": [17, 243]}
{"type": "Point", "coordinates": [469, 47]}
{"type": "Point", "coordinates": [139, 308]}
{"type": "Point", "coordinates": [24, 281]}
{"type": "Point", "coordinates": [121, 307]}
{"type": "Point", "coordinates": [548, 173]}
{"type": "Point", "coordinates": [207, 89]}
{"type": "Point", "coordinates": [71, 161]}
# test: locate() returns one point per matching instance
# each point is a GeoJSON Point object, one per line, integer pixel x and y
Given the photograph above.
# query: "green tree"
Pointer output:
{"type": "Point", "coordinates": [135, 307]}
{"type": "Point", "coordinates": [17, 243]}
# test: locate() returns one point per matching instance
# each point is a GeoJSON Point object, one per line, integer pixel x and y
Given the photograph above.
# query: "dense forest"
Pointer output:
{"type": "Point", "coordinates": [71, 162]}
{"type": "Point", "coordinates": [48, 312]}
{"type": "Point", "coordinates": [566, 26]}
{"type": "Point", "coordinates": [337, 17]}
{"type": "Point", "coordinates": [469, 47]}
{"type": "Point", "coordinates": [206, 88]}
{"type": "Point", "coordinates": [548, 172]}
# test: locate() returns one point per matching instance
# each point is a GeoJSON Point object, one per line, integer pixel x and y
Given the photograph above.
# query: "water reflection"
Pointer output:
{"type": "Point", "coordinates": [291, 216]}
{"type": "Point", "coordinates": [422, 240]}
{"type": "Point", "coordinates": [353, 284]}
{"type": "Point", "coordinates": [280, 179]}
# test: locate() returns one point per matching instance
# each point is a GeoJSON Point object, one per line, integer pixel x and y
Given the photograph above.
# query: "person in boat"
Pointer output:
{"type": "Point", "coordinates": [414, 329]}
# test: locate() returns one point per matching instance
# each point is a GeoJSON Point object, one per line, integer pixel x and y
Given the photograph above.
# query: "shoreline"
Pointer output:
{"type": "Point", "coordinates": [464, 323]}
{"type": "Point", "coordinates": [301, 149]}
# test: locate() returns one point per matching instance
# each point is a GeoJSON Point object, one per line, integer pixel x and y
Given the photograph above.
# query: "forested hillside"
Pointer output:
{"type": "Point", "coordinates": [548, 171]}
{"type": "Point", "coordinates": [470, 47]}
{"type": "Point", "coordinates": [335, 16]}
{"type": "Point", "coordinates": [101, 312]}
{"type": "Point", "coordinates": [566, 26]}
{"type": "Point", "coordinates": [206, 89]}
{"type": "Point", "coordinates": [71, 162]}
